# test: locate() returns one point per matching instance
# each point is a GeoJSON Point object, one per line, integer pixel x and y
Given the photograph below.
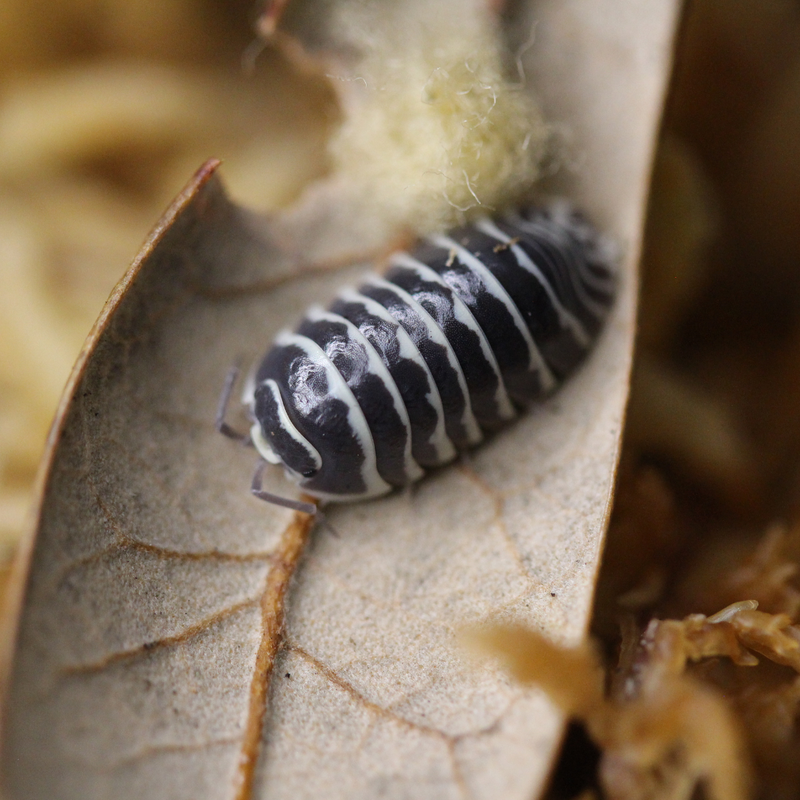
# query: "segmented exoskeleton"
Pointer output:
{"type": "Point", "coordinates": [408, 369]}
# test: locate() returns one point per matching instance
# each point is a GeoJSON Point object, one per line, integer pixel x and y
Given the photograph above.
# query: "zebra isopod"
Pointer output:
{"type": "Point", "coordinates": [410, 368]}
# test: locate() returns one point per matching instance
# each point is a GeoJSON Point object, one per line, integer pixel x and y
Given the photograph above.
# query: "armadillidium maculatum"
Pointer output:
{"type": "Point", "coordinates": [411, 368]}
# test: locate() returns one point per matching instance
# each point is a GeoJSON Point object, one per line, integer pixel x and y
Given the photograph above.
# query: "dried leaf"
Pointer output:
{"type": "Point", "coordinates": [151, 605]}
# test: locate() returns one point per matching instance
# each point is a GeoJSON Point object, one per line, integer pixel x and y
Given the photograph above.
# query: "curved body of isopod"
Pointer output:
{"type": "Point", "coordinates": [408, 369]}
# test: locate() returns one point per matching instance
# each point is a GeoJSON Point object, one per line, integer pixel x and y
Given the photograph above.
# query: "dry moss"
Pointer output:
{"type": "Point", "coordinates": [434, 130]}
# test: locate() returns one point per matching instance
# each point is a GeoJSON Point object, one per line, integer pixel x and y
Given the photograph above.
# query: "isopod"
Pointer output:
{"type": "Point", "coordinates": [410, 368]}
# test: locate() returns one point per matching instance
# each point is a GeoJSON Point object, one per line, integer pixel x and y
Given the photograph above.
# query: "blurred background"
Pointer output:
{"type": "Point", "coordinates": [707, 507]}
{"type": "Point", "coordinates": [108, 106]}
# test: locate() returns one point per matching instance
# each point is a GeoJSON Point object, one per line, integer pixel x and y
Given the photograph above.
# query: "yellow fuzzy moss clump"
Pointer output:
{"type": "Point", "coordinates": [434, 130]}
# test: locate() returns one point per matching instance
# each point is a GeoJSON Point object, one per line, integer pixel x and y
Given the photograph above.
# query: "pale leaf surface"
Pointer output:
{"type": "Point", "coordinates": [138, 665]}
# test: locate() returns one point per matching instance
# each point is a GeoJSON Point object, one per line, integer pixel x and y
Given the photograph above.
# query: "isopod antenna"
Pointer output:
{"type": "Point", "coordinates": [287, 502]}
{"type": "Point", "coordinates": [222, 409]}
